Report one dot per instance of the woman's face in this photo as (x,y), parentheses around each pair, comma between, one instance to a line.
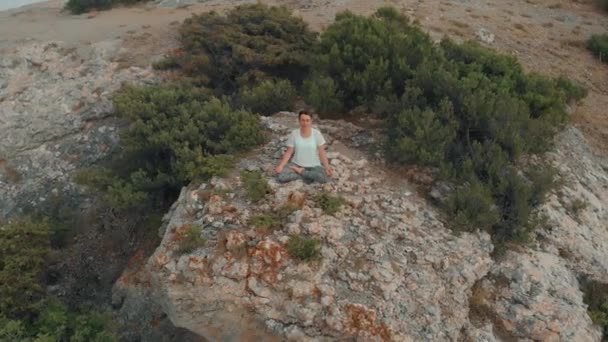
(305,121)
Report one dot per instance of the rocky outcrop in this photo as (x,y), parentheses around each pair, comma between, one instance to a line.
(55,117)
(389,269)
(534,293)
(578,212)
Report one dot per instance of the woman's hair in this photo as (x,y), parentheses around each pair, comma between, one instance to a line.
(302,112)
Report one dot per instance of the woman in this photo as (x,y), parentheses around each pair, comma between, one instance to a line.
(307,146)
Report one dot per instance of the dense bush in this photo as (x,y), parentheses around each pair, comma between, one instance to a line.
(26,313)
(176,134)
(366,57)
(598,44)
(268,97)
(322,93)
(249,44)
(462,108)
(57,323)
(596,298)
(24,253)
(81,6)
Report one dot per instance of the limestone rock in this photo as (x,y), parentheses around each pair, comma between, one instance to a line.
(389,270)
(55,116)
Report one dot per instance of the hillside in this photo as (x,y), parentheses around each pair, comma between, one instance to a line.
(389,267)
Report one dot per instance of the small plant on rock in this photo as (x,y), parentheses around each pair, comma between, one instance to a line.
(222,192)
(284,211)
(256,185)
(266,221)
(330,204)
(190,239)
(304,248)
(577,206)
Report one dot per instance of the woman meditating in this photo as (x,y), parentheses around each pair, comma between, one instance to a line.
(307,146)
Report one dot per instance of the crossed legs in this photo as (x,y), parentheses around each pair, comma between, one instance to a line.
(309,174)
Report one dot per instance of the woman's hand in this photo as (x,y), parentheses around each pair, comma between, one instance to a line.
(329,171)
(278,169)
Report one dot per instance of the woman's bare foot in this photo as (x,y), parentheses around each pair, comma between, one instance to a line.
(297,170)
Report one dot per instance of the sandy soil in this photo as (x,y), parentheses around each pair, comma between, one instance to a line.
(547,36)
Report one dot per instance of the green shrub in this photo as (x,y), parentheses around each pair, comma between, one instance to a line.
(255,184)
(573,92)
(190,239)
(598,44)
(175,134)
(166,63)
(472,207)
(322,93)
(57,323)
(81,6)
(596,298)
(60,324)
(249,44)
(462,108)
(330,204)
(12,330)
(303,248)
(366,57)
(420,136)
(24,253)
(117,193)
(268,97)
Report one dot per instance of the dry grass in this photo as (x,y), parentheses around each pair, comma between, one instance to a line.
(459,24)
(520,26)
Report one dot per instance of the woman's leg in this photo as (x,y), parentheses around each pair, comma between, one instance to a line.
(288,175)
(315,174)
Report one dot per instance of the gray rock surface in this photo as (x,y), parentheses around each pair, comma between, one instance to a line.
(389,269)
(55,116)
(534,296)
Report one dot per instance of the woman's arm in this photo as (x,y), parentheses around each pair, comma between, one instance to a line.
(284,159)
(325,160)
